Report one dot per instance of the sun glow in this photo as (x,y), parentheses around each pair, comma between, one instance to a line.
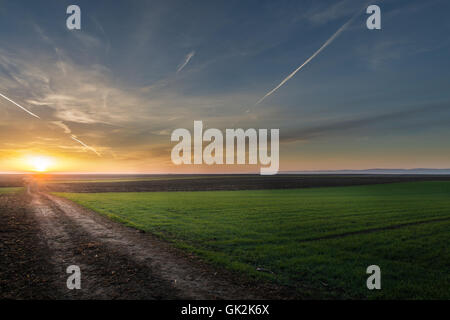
(40,163)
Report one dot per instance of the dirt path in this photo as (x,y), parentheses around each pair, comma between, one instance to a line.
(118,262)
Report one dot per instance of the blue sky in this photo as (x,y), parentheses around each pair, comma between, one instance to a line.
(137,70)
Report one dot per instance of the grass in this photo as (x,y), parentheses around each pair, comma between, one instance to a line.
(320,240)
(4,190)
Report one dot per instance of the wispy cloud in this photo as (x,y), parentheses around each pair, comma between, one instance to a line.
(362,122)
(63,126)
(58,123)
(323,13)
(33,83)
(188,58)
(91,103)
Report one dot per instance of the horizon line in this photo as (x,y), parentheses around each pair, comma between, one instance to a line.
(376,170)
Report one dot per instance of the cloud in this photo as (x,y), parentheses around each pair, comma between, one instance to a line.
(88,101)
(63,126)
(322,14)
(45,87)
(339,126)
(76,95)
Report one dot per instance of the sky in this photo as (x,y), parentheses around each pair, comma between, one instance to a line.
(109,96)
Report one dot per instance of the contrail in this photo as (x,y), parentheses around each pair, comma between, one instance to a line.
(67,130)
(85,145)
(24,109)
(186,61)
(337,33)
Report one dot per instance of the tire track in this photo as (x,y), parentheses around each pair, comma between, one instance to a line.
(366,231)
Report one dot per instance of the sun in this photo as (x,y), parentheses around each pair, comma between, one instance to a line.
(40,163)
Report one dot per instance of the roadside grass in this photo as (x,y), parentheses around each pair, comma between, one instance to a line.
(4,190)
(318,238)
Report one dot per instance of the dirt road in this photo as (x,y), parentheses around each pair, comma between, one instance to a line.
(116,262)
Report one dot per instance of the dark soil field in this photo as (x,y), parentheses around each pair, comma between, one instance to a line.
(11,180)
(222,182)
(25,268)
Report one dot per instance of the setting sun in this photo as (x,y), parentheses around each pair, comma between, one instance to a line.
(40,163)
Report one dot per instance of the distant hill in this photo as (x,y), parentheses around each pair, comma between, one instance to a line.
(374,171)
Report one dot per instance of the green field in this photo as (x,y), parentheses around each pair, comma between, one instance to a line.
(319,240)
(9,190)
